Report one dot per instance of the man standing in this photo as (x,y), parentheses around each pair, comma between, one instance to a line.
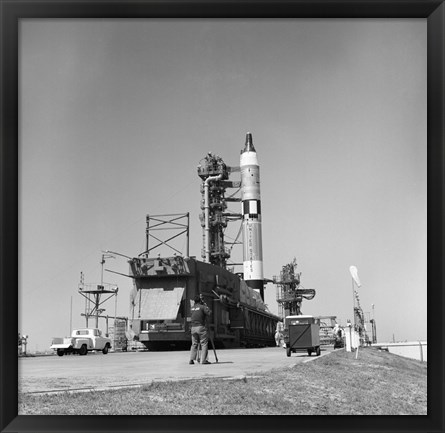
(338,336)
(279,335)
(200,311)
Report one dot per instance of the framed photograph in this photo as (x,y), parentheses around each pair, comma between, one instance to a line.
(108,107)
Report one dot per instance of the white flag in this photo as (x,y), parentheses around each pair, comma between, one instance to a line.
(354,274)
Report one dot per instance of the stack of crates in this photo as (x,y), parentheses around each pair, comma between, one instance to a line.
(117,335)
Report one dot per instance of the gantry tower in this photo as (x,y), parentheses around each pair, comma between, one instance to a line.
(290,293)
(215,216)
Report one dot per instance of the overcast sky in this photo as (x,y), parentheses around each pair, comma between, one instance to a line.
(116,114)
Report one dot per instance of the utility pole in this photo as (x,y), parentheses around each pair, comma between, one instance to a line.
(71,316)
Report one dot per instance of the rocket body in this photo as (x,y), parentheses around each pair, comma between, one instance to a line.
(251,211)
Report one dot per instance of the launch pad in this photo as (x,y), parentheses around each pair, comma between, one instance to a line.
(164,286)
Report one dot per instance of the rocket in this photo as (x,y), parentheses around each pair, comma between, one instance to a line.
(251,211)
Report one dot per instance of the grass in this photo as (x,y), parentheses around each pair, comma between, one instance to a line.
(377,383)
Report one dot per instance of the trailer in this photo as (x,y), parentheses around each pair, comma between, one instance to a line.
(163,293)
(302,333)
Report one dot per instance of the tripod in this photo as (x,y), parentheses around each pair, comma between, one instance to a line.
(198,355)
(213,347)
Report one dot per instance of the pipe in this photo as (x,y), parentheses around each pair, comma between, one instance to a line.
(206,214)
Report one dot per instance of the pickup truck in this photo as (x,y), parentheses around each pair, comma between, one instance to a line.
(82,341)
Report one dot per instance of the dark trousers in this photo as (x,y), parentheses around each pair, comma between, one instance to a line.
(199,335)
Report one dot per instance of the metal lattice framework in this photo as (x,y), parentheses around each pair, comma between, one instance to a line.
(94,294)
(359,319)
(290,293)
(215,215)
(94,299)
(175,225)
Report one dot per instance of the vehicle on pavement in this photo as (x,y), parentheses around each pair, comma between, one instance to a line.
(302,333)
(81,342)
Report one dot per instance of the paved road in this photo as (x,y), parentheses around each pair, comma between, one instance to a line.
(98,371)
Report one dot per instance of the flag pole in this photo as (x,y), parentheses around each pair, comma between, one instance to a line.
(353,304)
(354,275)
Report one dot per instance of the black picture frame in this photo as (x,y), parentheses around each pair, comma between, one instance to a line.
(12,11)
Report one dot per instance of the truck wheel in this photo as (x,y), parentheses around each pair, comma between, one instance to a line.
(60,352)
(105,350)
(83,350)
(309,352)
(288,351)
(317,351)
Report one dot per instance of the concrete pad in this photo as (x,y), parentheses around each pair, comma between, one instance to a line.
(128,369)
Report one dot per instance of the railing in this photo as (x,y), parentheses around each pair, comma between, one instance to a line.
(96,287)
(408,349)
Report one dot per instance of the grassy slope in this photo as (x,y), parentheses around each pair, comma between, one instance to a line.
(377,383)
